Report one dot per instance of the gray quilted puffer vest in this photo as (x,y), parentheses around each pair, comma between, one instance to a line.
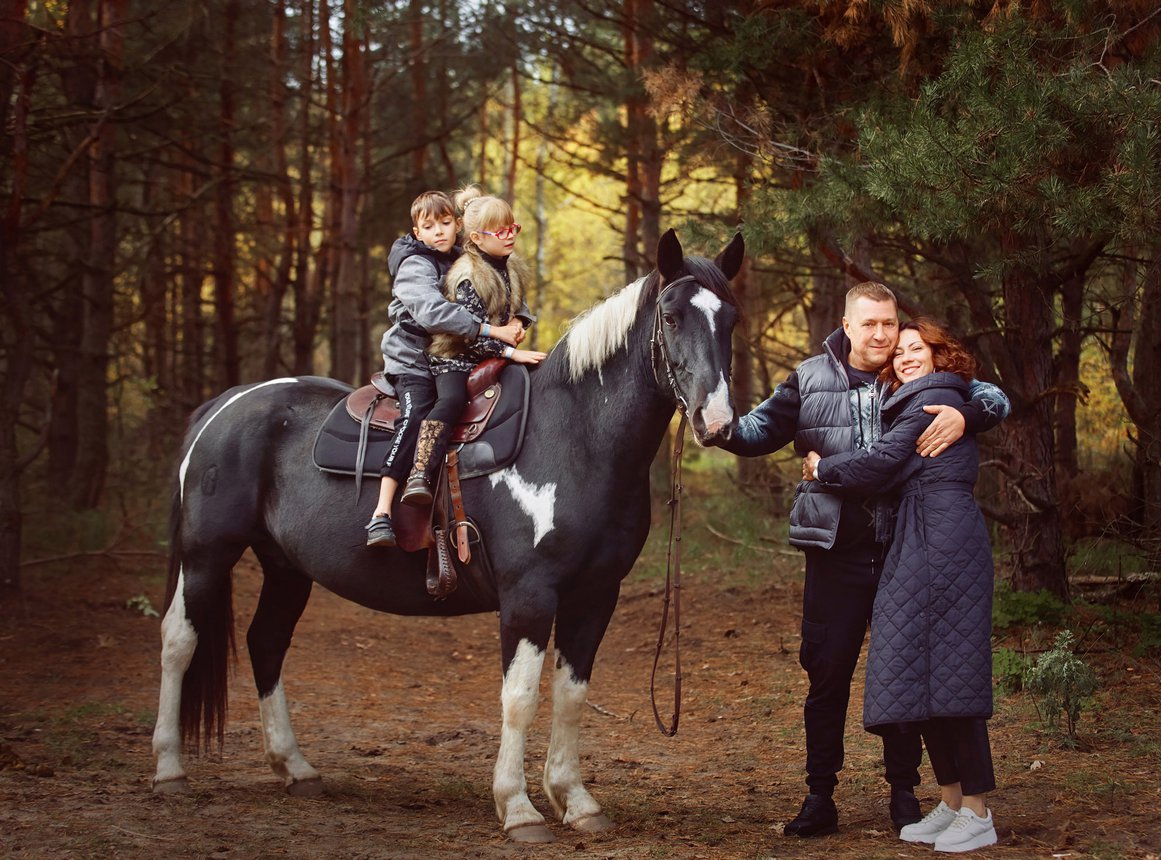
(832,418)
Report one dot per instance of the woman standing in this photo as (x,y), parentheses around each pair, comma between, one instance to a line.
(929,667)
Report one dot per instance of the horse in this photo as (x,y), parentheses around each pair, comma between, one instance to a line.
(563,524)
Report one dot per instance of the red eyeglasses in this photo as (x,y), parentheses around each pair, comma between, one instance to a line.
(503,233)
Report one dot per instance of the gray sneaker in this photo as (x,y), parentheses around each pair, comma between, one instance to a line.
(930,826)
(967,833)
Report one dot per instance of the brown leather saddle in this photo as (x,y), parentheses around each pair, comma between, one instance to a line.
(377,404)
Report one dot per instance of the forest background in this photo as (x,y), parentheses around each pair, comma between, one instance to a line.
(200,193)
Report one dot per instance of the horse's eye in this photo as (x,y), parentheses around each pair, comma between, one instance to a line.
(669,320)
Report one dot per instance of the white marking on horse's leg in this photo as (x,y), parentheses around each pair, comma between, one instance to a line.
(188,454)
(282,752)
(519,698)
(562,776)
(179,640)
(539,503)
(718,411)
(708,304)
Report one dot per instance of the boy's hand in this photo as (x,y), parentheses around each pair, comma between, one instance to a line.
(527,356)
(510,334)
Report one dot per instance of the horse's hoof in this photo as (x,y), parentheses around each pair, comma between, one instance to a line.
(531,832)
(305,787)
(592,823)
(177,785)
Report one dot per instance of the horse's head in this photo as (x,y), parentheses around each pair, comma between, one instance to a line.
(695,320)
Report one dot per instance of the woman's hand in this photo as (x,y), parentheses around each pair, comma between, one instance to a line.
(527,356)
(510,334)
(810,466)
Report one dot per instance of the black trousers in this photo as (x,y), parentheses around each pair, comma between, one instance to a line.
(451,388)
(836,609)
(416,397)
(959,751)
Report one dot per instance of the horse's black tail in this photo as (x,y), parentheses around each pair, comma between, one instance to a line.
(208,605)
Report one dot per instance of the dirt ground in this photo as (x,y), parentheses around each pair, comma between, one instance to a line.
(401,716)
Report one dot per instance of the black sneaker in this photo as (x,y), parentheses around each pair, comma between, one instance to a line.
(818,817)
(380,532)
(904,808)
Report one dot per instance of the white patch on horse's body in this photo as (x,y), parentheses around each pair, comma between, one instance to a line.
(282,752)
(538,502)
(519,698)
(602,330)
(188,454)
(708,304)
(179,640)
(562,776)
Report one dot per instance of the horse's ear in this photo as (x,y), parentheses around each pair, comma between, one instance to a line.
(730,259)
(670,257)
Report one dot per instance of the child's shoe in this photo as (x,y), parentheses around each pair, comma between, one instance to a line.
(380,532)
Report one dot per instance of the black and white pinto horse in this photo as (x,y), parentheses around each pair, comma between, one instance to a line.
(563,525)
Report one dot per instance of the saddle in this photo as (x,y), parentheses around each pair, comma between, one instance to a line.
(357,434)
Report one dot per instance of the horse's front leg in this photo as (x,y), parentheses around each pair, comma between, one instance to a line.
(523,642)
(580,626)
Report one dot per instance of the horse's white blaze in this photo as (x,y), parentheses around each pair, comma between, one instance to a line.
(538,502)
(602,330)
(282,752)
(519,698)
(178,642)
(189,454)
(562,776)
(709,304)
(718,411)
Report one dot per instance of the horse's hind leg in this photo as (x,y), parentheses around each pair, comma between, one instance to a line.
(580,626)
(178,642)
(285,593)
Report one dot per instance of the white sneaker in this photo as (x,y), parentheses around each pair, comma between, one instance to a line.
(930,826)
(967,833)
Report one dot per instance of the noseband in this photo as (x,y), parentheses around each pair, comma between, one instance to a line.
(659,351)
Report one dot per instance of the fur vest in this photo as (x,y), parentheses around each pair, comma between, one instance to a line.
(501,300)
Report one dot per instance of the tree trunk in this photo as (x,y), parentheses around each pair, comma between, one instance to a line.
(306,301)
(226,340)
(420,119)
(345,323)
(514,143)
(1068,384)
(827,305)
(92,372)
(1030,489)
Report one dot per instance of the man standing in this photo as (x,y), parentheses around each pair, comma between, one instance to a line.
(830,404)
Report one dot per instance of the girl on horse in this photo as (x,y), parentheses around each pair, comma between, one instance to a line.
(488,281)
(417,264)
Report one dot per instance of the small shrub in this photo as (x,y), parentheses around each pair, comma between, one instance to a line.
(1060,682)
(141,603)
(1024,608)
(1009,668)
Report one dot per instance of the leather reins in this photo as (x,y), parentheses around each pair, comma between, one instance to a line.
(658,348)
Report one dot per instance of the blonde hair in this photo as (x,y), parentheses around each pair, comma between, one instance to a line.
(872,290)
(431,204)
(481,212)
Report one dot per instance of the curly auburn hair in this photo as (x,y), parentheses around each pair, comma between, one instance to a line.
(947,353)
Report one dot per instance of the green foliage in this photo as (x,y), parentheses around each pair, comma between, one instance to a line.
(142,604)
(1009,668)
(1024,608)
(1060,682)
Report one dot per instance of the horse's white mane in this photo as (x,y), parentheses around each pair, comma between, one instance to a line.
(601,330)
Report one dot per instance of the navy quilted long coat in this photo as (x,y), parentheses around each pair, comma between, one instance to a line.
(930,653)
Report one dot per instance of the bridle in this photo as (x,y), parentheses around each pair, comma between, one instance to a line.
(659,354)
(659,351)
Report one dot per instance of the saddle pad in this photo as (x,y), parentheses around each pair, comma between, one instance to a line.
(336,445)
